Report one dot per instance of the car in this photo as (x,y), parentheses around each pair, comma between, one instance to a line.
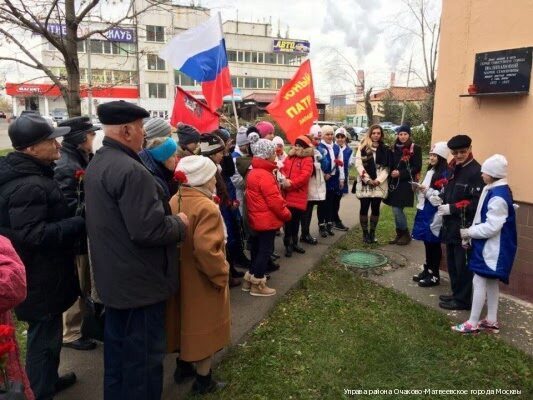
(3,114)
(59,114)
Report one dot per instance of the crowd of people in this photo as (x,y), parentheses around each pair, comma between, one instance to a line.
(157,231)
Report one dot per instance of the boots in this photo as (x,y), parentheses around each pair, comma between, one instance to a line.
(206,384)
(246,284)
(398,236)
(295,247)
(323,231)
(422,275)
(431,279)
(363,220)
(259,287)
(288,246)
(183,370)
(307,238)
(405,238)
(329,229)
(373,225)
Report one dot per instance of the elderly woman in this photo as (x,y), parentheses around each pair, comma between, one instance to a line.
(203,315)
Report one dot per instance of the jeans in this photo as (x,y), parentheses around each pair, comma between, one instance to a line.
(134,348)
(400,220)
(42,356)
(262,244)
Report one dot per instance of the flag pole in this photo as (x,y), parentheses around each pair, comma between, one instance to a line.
(232,97)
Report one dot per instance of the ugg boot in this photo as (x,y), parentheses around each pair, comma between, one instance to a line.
(295,247)
(363,220)
(246,284)
(329,229)
(259,287)
(405,238)
(323,231)
(373,225)
(398,236)
(206,384)
(287,242)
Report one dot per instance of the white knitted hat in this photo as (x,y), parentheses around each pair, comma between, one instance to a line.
(261,148)
(341,131)
(315,131)
(278,141)
(242,137)
(495,166)
(197,169)
(440,149)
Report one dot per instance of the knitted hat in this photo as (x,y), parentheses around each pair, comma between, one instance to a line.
(211,144)
(278,141)
(495,166)
(316,131)
(327,129)
(261,148)
(459,142)
(340,131)
(265,128)
(440,149)
(404,128)
(303,141)
(164,151)
(242,137)
(197,169)
(223,133)
(157,127)
(187,134)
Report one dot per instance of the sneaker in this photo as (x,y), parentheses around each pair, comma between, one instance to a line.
(465,327)
(429,281)
(308,239)
(260,288)
(329,229)
(421,275)
(322,230)
(340,226)
(246,284)
(491,327)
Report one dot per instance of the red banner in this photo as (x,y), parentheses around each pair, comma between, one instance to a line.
(294,108)
(193,112)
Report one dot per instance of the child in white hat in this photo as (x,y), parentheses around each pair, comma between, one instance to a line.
(493,240)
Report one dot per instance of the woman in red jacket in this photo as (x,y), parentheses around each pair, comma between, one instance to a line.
(297,170)
(12,293)
(267,211)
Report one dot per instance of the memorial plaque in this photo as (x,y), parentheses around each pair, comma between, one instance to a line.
(503,71)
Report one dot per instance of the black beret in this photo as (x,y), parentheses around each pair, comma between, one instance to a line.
(79,127)
(187,134)
(120,112)
(459,142)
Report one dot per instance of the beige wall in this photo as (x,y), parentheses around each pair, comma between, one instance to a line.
(496,124)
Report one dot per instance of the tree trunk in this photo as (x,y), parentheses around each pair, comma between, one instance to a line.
(71,94)
(368,108)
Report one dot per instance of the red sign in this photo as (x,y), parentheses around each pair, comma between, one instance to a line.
(193,112)
(294,107)
(49,90)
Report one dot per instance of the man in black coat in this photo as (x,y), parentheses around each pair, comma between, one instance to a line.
(76,151)
(464,184)
(133,242)
(34,216)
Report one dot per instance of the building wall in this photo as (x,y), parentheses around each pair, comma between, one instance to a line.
(502,124)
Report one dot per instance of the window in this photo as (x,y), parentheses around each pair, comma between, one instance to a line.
(154,63)
(270,58)
(250,83)
(125,49)
(270,83)
(155,33)
(232,55)
(247,56)
(281,59)
(108,76)
(98,76)
(157,90)
(234,81)
(96,46)
(81,46)
(83,75)
(121,77)
(158,114)
(183,80)
(240,82)
(260,57)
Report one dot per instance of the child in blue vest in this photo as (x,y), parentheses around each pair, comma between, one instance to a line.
(341,137)
(493,241)
(427,223)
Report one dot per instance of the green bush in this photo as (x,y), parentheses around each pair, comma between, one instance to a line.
(421,135)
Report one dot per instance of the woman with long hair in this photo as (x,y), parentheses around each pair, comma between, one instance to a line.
(371,187)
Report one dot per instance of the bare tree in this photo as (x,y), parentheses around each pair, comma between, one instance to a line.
(35,17)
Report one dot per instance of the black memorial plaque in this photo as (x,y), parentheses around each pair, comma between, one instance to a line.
(503,71)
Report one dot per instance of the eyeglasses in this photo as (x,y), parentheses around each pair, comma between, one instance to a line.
(457,152)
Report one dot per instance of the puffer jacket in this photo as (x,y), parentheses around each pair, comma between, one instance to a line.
(298,168)
(317,183)
(267,209)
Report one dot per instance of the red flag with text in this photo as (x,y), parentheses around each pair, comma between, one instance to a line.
(193,112)
(294,107)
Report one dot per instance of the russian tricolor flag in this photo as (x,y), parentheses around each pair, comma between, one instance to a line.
(200,53)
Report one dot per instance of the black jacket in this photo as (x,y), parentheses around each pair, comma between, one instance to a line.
(400,190)
(35,217)
(465,183)
(132,239)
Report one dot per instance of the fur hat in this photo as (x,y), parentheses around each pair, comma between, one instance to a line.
(261,148)
(495,166)
(316,131)
(197,169)
(157,127)
(187,134)
(440,149)
(242,137)
(265,128)
(459,142)
(211,144)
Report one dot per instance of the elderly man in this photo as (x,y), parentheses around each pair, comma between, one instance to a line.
(133,242)
(465,183)
(76,151)
(36,218)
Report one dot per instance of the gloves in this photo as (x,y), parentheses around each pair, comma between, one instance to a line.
(435,200)
(464,233)
(444,210)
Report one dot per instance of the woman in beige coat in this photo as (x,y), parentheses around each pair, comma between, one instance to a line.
(200,325)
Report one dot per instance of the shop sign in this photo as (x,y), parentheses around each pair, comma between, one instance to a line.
(503,71)
(123,35)
(291,46)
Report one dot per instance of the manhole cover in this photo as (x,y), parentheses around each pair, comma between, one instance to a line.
(363,259)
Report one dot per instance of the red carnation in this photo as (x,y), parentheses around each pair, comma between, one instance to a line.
(236,203)
(406,152)
(6,331)
(79,174)
(439,184)
(463,204)
(216,199)
(6,347)
(339,163)
(179,176)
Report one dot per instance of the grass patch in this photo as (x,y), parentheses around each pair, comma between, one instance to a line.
(340,331)
(5,152)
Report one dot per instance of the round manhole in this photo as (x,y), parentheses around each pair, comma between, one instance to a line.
(363,259)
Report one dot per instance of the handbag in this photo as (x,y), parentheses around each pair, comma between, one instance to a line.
(93,322)
(12,391)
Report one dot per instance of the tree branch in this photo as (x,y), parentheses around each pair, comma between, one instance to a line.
(86,10)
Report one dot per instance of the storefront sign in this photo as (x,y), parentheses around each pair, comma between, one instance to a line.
(291,46)
(123,35)
(503,71)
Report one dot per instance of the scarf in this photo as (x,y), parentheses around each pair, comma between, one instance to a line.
(370,164)
(329,147)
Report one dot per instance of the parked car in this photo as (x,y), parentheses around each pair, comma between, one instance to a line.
(3,114)
(59,114)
